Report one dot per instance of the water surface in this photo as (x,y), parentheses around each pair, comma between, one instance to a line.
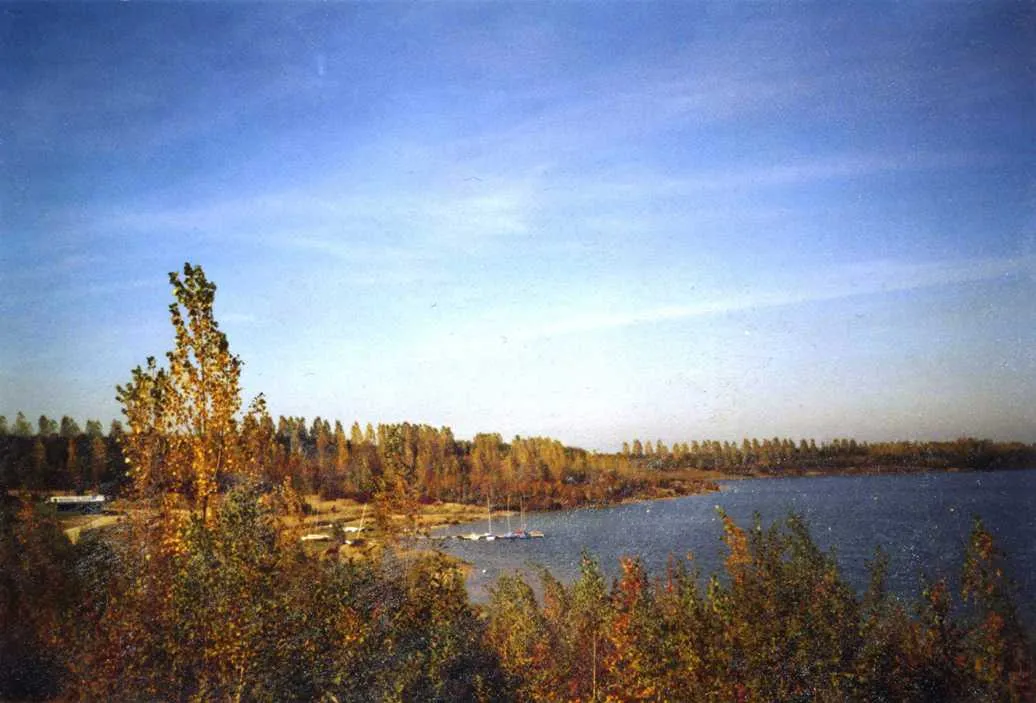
(921,520)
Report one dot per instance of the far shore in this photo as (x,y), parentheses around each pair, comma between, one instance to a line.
(331,517)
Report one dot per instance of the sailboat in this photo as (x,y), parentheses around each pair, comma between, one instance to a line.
(355,530)
(522,532)
(510,534)
(488,536)
(531,534)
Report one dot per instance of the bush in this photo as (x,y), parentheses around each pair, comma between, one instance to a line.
(782,626)
(231,610)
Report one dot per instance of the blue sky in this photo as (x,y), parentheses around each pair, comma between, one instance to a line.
(591,221)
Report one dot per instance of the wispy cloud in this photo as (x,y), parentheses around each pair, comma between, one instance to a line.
(871,278)
(744,180)
(355,218)
(340,217)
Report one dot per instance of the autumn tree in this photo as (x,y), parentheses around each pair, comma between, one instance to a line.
(69,428)
(46,427)
(341,461)
(98,461)
(73,468)
(396,486)
(38,465)
(321,435)
(21,427)
(997,645)
(36,593)
(182,426)
(257,449)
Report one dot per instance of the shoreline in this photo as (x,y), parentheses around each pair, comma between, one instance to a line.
(634,500)
(331,514)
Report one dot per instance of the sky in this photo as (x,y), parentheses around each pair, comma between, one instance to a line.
(591,221)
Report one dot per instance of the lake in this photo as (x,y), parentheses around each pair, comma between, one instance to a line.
(921,520)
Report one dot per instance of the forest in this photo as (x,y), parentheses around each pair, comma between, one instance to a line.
(202,592)
(785,457)
(321,458)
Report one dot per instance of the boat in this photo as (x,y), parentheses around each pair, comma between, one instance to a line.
(522,532)
(488,536)
(510,534)
(93,505)
(357,528)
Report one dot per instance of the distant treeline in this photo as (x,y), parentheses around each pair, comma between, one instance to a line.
(779,455)
(320,457)
(431,464)
(62,456)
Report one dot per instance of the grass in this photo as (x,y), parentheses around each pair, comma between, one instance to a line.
(324,515)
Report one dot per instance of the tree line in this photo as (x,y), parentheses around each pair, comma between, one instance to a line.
(784,455)
(321,457)
(53,456)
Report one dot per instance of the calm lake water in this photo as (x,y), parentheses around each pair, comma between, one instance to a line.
(922,521)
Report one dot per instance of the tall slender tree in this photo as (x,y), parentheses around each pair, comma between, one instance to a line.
(46,426)
(182,421)
(98,461)
(21,427)
(69,427)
